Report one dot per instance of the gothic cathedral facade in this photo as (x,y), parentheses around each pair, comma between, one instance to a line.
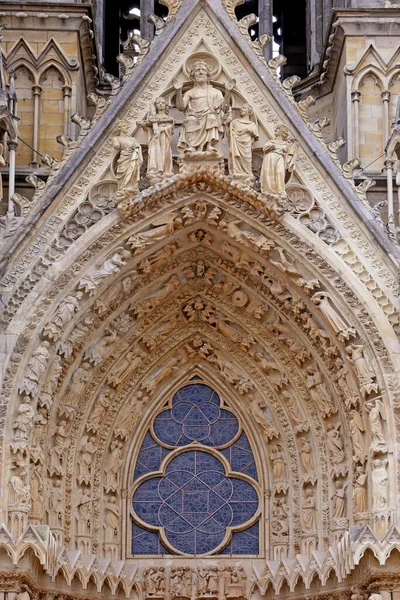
(199,297)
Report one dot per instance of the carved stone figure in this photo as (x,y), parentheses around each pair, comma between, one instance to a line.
(365,374)
(64,314)
(293,411)
(357,431)
(36,488)
(242,133)
(2,164)
(335,443)
(203,106)
(279,521)
(318,392)
(83,513)
(306,456)
(160,229)
(160,127)
(162,373)
(77,384)
(113,467)
(278,463)
(126,366)
(339,500)
(45,396)
(112,515)
(96,415)
(207,582)
(40,422)
(181,582)
(154,582)
(279,158)
(380,487)
(346,382)
(60,440)
(256,407)
(235,582)
(56,503)
(376,415)
(35,370)
(308,513)
(360,495)
(110,266)
(129,161)
(24,420)
(88,448)
(343,330)
(19,490)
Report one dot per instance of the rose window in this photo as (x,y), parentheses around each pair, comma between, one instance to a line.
(198,500)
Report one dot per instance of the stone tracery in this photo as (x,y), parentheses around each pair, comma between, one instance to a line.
(201,275)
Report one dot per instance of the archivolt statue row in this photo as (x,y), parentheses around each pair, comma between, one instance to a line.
(208,117)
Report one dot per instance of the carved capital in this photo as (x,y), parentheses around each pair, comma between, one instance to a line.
(385,95)
(355,96)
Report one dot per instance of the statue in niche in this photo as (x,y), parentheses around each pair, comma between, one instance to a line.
(154,582)
(88,449)
(366,376)
(64,314)
(181,582)
(24,421)
(357,430)
(343,330)
(318,392)
(346,381)
(203,106)
(36,492)
(127,365)
(380,480)
(279,158)
(339,500)
(78,381)
(360,496)
(60,439)
(335,443)
(160,128)
(242,133)
(278,463)
(56,503)
(97,414)
(306,456)
(376,415)
(45,397)
(279,521)
(308,513)
(114,465)
(111,520)
(129,161)
(20,490)
(83,513)
(257,407)
(234,582)
(36,367)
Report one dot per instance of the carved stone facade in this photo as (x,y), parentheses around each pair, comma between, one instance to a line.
(200,359)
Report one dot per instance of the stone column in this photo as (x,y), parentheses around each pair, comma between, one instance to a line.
(36,90)
(265,15)
(385,95)
(12,146)
(67,90)
(146,28)
(389,176)
(355,99)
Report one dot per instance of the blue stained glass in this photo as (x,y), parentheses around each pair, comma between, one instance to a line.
(195,501)
(196,416)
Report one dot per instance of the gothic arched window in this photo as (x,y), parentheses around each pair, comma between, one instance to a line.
(195,481)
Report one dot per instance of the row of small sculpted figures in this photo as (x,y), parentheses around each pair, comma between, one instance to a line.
(207,118)
(207,580)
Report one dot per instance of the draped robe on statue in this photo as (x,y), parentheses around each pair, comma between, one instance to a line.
(203,122)
(242,133)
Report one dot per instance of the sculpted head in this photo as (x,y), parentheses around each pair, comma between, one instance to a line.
(246,111)
(160,105)
(122,127)
(200,72)
(282,132)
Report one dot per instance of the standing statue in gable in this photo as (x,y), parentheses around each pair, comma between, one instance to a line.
(160,128)
(279,158)
(242,133)
(203,106)
(129,161)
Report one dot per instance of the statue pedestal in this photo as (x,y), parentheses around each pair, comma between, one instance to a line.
(190,162)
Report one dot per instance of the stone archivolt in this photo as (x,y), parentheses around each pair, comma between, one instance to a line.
(201,275)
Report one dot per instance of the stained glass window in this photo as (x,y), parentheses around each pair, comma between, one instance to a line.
(192,501)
